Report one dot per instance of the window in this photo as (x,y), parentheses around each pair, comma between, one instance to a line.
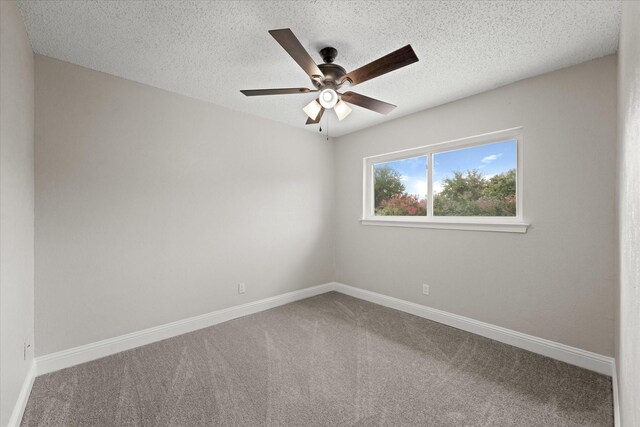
(400,187)
(476,181)
(473,183)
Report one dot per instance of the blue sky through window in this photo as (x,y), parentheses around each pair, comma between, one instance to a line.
(489,159)
(413,172)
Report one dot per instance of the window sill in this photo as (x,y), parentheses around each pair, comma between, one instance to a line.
(496,226)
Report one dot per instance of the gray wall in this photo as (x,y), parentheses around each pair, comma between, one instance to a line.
(628,325)
(557,281)
(16,205)
(151,207)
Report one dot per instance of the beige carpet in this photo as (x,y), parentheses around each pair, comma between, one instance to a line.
(329,360)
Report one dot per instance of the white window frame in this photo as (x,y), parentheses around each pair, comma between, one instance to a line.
(485,223)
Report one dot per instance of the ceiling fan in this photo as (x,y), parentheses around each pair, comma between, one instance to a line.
(328,77)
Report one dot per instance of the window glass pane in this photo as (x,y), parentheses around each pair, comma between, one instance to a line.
(400,187)
(476,181)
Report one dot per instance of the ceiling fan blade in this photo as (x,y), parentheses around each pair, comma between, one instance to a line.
(285,91)
(292,45)
(368,103)
(397,59)
(310,121)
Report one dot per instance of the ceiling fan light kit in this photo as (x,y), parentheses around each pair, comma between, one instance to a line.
(342,109)
(328,98)
(312,109)
(328,78)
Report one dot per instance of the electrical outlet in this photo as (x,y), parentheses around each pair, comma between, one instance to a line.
(241,288)
(426,289)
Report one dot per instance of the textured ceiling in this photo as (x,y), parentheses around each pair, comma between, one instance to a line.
(211,50)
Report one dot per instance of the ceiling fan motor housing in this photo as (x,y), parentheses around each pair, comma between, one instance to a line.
(333,73)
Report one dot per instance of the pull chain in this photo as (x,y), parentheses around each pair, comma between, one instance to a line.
(327,127)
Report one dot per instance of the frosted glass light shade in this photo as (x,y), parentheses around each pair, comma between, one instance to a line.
(328,98)
(312,109)
(342,110)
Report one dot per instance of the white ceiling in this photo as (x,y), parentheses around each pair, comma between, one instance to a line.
(211,50)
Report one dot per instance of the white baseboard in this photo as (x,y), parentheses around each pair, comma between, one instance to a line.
(616,402)
(85,353)
(23,397)
(575,356)
(74,356)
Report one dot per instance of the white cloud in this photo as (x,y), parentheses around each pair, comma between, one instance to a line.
(491,158)
(416,187)
(421,188)
(437,187)
(404,177)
